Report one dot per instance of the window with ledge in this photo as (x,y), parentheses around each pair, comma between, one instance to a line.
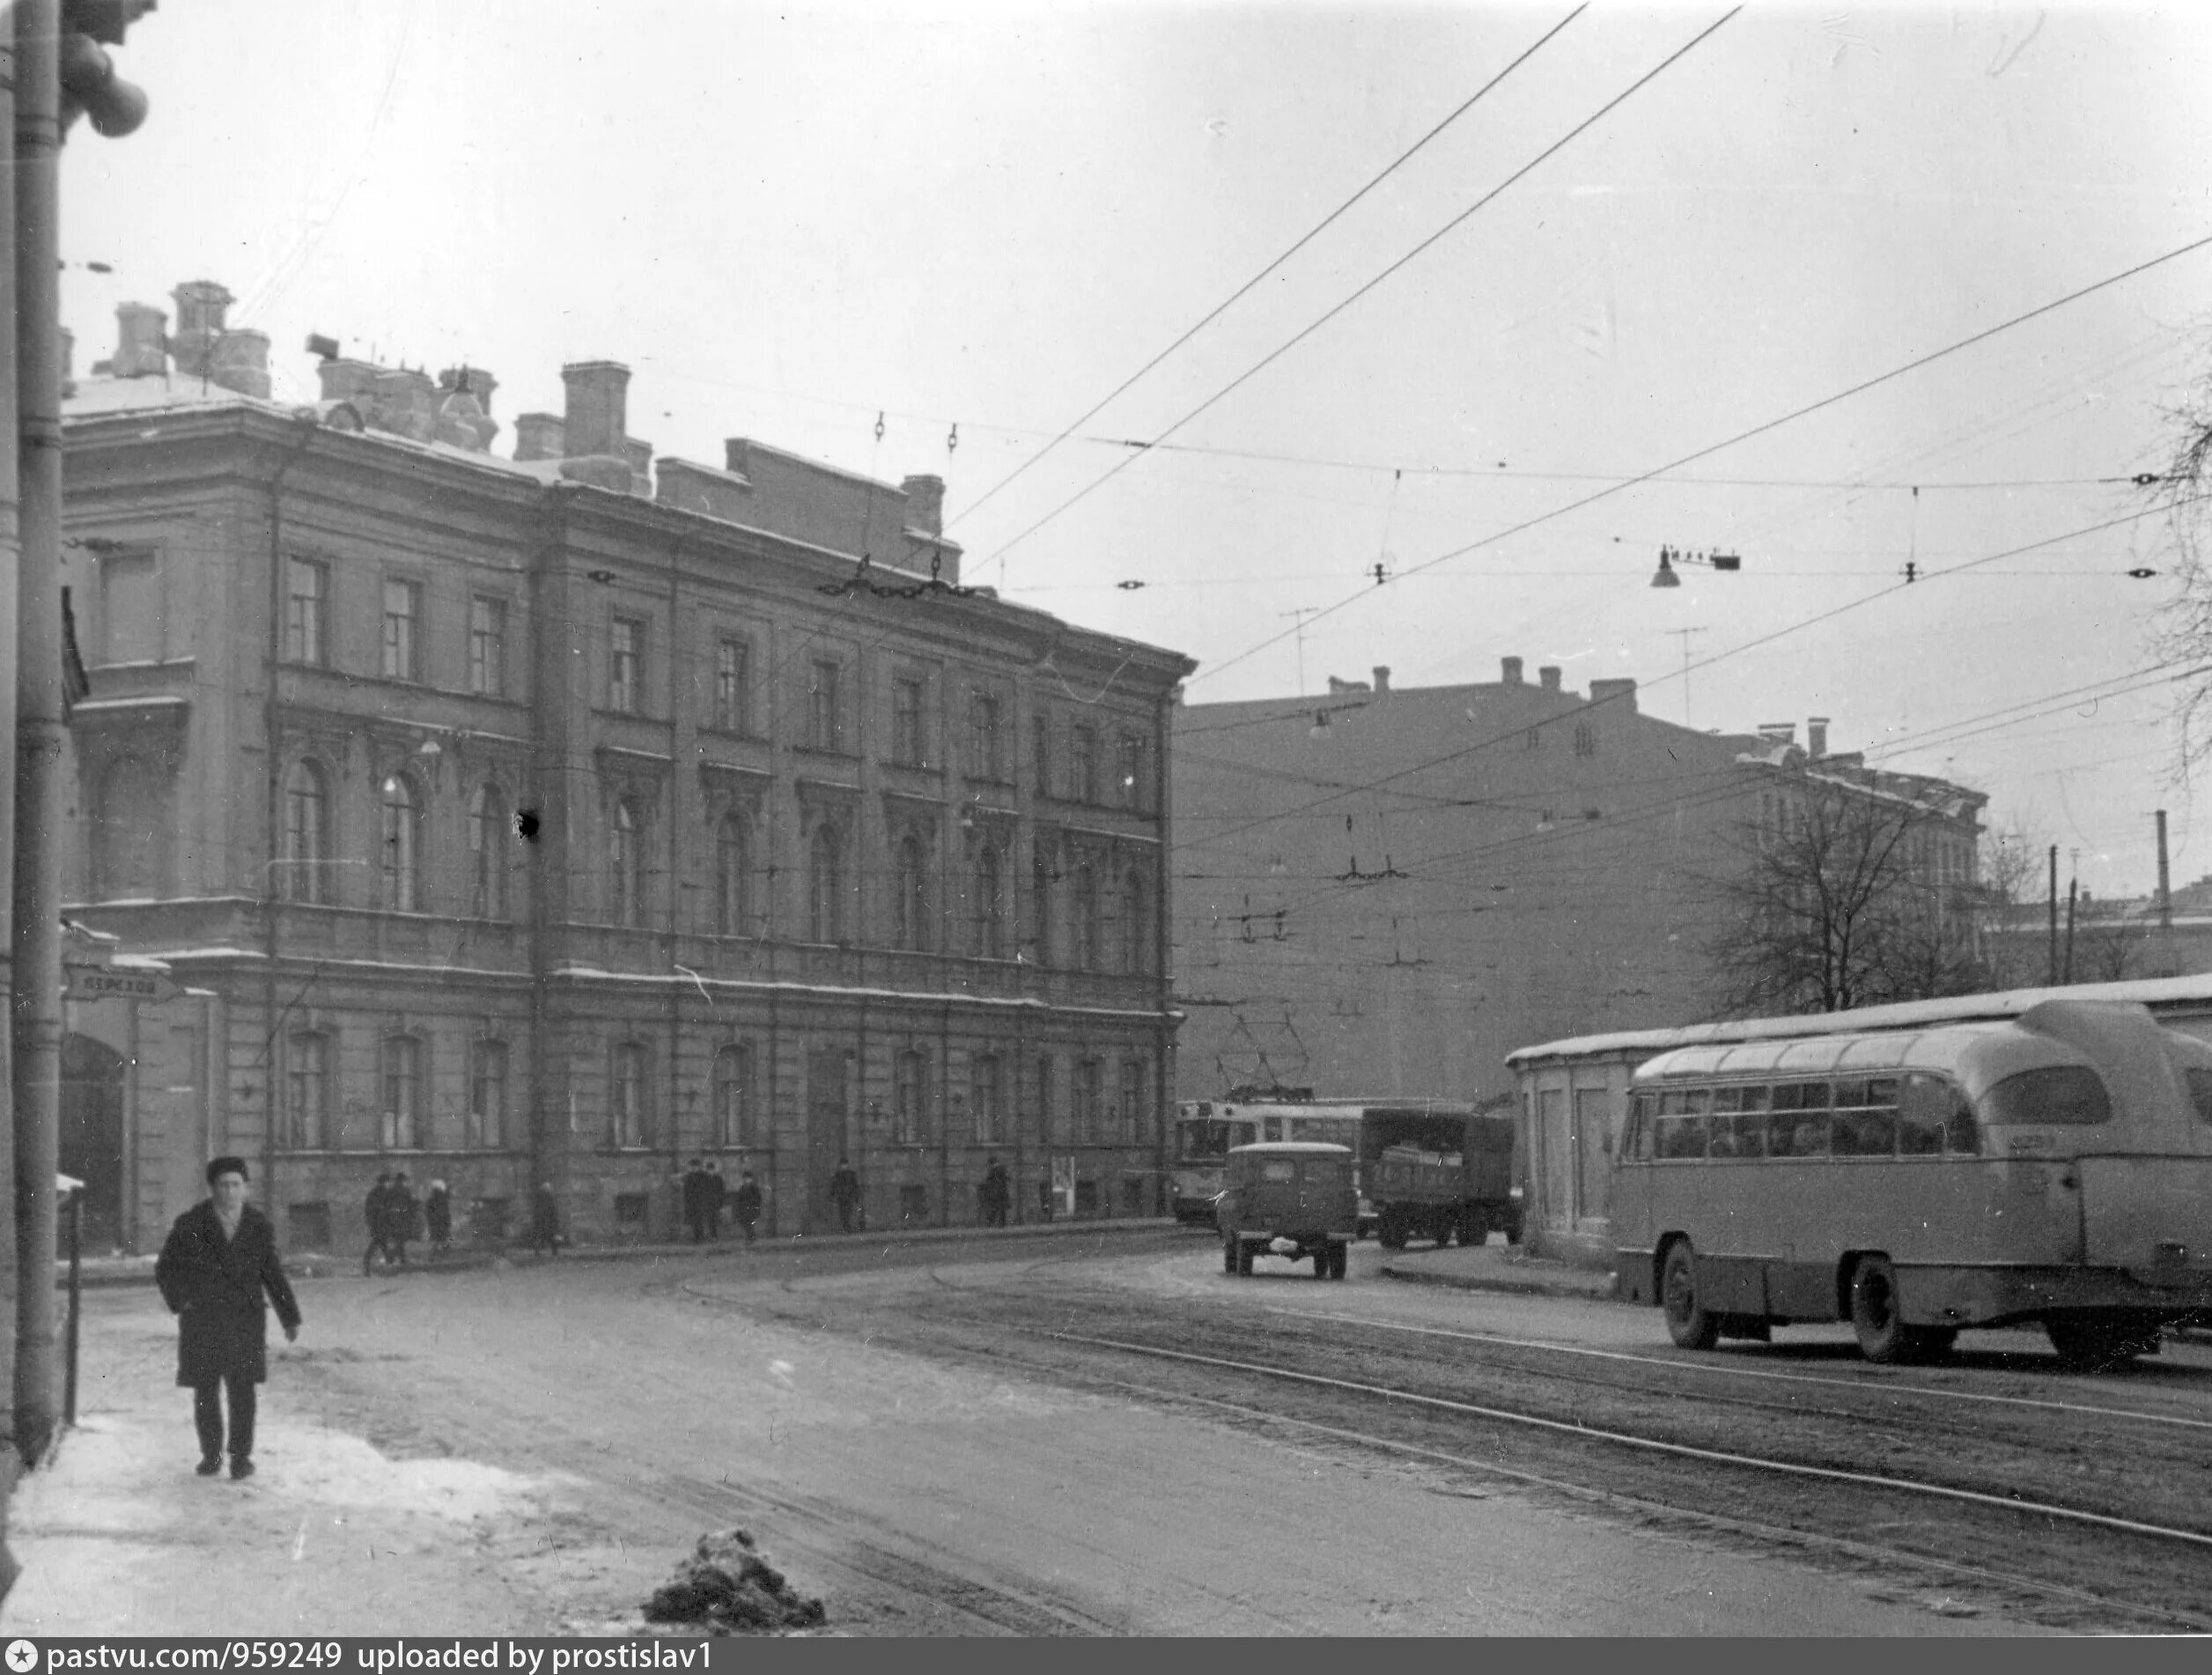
(399,845)
(909,746)
(306,588)
(1041,909)
(129,608)
(825,885)
(986,1095)
(488,852)
(1090,1090)
(1088,925)
(487,1095)
(133,813)
(302,870)
(402,616)
(1082,764)
(909,1093)
(1041,753)
(1134,1087)
(401,1068)
(984,744)
(1134,940)
(825,718)
(733,1082)
(989,905)
(626,1095)
(1585,739)
(625,664)
(733,683)
(1129,767)
(486,646)
(1047,1132)
(909,906)
(625,864)
(307,1091)
(733,877)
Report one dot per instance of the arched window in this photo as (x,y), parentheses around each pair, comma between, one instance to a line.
(991,926)
(909,911)
(400,851)
(488,852)
(987,1093)
(908,1101)
(1086,923)
(400,1064)
(825,885)
(733,877)
(626,1095)
(487,1095)
(733,1096)
(625,860)
(303,869)
(1134,943)
(307,1091)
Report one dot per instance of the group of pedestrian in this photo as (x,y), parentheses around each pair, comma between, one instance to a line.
(705,1193)
(395,1218)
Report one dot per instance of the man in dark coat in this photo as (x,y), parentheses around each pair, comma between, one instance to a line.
(844,1192)
(404,1216)
(715,1195)
(219,1259)
(694,1186)
(376,1210)
(996,1195)
(749,1204)
(545,1221)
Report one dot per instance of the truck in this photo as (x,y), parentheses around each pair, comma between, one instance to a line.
(1432,1184)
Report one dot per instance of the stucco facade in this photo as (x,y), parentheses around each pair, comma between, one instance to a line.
(563,817)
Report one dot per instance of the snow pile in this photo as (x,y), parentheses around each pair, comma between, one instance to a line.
(728,1585)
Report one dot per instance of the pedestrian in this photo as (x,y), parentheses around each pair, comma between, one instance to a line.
(749,1204)
(438,1216)
(377,1212)
(545,1221)
(219,1257)
(844,1192)
(717,1193)
(404,1215)
(996,1193)
(693,1182)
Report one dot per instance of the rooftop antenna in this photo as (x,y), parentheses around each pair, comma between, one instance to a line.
(1683,634)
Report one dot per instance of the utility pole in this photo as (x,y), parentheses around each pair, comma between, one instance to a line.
(62,72)
(1299,615)
(2053,979)
(10,582)
(1684,634)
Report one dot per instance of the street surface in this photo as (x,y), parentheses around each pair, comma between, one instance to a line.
(960,1438)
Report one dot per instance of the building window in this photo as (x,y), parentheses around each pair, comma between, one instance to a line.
(1041,908)
(983,736)
(308,1092)
(400,1066)
(1585,739)
(488,854)
(1129,765)
(1045,1132)
(487,1095)
(625,866)
(987,1093)
(402,611)
(626,1095)
(1533,738)
(129,608)
(1082,764)
(625,664)
(907,746)
(307,584)
(1133,1101)
(133,816)
(301,874)
(825,886)
(825,729)
(733,877)
(1041,753)
(733,683)
(1133,925)
(910,908)
(1086,920)
(734,1098)
(989,905)
(400,849)
(909,1090)
(1090,1089)
(486,646)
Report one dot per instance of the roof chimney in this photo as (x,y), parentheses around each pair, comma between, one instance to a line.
(239,361)
(1509,669)
(1817,736)
(925,504)
(1778,732)
(201,305)
(1621,692)
(1382,678)
(1550,677)
(598,409)
(141,348)
(537,436)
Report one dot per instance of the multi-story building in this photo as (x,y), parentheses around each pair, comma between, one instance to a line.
(1384,891)
(563,816)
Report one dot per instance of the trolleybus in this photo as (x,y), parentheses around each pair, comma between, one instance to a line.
(2053,1169)
(1206,1130)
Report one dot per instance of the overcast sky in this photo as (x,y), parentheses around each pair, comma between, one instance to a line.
(788,219)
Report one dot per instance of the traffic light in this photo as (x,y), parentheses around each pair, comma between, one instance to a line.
(89,85)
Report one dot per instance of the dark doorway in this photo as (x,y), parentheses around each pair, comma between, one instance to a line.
(93,1136)
(825,1135)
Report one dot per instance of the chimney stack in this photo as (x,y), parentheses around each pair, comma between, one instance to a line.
(1510,670)
(239,361)
(925,504)
(1817,736)
(141,347)
(537,436)
(1617,692)
(1550,677)
(200,307)
(1778,732)
(598,409)
(1382,678)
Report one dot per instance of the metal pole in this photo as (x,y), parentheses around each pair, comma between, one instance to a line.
(2072,888)
(36,992)
(10,572)
(76,1303)
(2053,977)
(2165,885)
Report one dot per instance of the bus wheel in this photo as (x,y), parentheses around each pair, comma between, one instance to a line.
(1228,1255)
(1390,1232)
(1687,1323)
(1443,1232)
(1321,1263)
(1339,1259)
(1475,1228)
(1883,1336)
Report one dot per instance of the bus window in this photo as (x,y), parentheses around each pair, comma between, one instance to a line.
(1799,1124)
(1278,1168)
(1679,1136)
(1635,1140)
(1272,1128)
(1866,1118)
(2069,1093)
(1924,1107)
(1747,1131)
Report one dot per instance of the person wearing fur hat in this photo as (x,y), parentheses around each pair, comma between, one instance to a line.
(219,1257)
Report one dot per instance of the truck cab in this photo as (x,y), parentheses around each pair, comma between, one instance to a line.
(1289,1197)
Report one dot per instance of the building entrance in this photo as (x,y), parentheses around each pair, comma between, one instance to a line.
(825,1135)
(93,1136)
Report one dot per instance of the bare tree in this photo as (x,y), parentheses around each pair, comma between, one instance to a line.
(2182,493)
(1835,910)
